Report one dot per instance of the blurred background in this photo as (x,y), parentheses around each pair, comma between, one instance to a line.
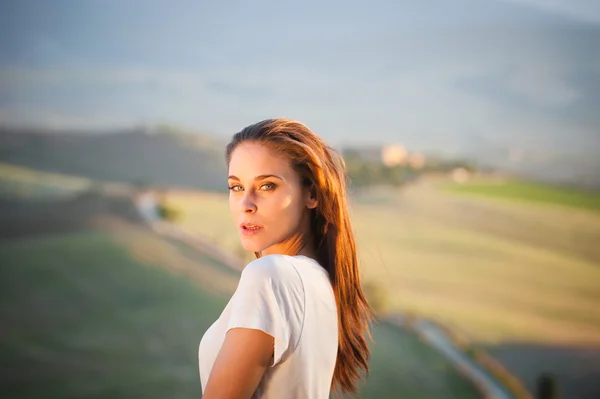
(471,134)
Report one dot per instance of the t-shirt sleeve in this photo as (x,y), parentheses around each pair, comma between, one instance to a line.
(270,298)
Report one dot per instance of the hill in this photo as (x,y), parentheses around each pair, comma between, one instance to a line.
(517,276)
(98,305)
(162,157)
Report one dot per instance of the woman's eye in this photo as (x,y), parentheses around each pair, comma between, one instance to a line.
(268,187)
(235,188)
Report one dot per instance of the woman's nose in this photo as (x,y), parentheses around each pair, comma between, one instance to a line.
(248,205)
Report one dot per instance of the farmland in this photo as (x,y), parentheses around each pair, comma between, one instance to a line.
(519,278)
(529,192)
(487,268)
(104,307)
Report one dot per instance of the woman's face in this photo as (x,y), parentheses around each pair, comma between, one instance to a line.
(266,198)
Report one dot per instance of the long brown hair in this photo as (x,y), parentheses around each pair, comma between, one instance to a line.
(322,169)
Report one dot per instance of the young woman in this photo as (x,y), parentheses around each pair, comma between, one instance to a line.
(296,324)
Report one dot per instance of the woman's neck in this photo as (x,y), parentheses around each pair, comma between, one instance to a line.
(298,244)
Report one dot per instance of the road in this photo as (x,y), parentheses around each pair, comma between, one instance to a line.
(438,339)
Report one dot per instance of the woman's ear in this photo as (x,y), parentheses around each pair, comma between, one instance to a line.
(311,198)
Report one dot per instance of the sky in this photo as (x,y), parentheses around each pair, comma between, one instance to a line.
(457,76)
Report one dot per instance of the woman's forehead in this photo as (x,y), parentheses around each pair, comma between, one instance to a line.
(249,160)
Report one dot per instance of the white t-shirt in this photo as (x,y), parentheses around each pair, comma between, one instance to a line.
(291,299)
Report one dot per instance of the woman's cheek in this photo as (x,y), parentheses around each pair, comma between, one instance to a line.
(285,202)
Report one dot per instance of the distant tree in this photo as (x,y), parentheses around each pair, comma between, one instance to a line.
(168,212)
(366,170)
(547,387)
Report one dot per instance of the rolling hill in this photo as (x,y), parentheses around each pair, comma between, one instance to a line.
(159,157)
(98,305)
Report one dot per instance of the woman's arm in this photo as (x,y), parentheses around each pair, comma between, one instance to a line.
(241,363)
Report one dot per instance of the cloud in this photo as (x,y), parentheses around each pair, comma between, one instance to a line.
(542,86)
(581,10)
(427,86)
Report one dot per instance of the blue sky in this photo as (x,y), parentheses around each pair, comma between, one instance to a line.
(449,76)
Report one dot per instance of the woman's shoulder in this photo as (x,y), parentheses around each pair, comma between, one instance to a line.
(274,267)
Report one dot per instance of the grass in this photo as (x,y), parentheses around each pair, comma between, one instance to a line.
(83,318)
(120,315)
(530,192)
(404,367)
(22,182)
(496,271)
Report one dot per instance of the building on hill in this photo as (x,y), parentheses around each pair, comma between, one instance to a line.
(393,155)
(389,155)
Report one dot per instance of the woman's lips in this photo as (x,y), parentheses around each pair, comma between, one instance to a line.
(248,229)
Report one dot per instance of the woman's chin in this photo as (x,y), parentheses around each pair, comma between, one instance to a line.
(251,246)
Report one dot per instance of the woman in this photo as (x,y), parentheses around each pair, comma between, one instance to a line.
(296,324)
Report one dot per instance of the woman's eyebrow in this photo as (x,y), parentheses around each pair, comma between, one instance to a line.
(261,177)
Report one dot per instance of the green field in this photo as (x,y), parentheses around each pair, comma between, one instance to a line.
(497,271)
(120,315)
(83,318)
(530,192)
(21,182)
